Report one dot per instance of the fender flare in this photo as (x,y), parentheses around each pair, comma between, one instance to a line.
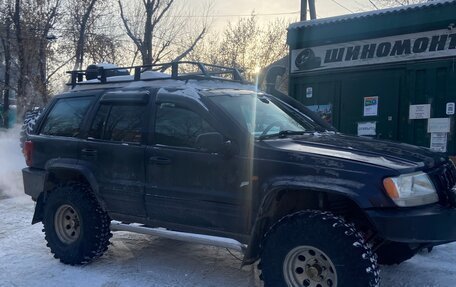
(317,184)
(72,165)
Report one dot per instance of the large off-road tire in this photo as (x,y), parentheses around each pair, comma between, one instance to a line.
(30,120)
(318,249)
(76,228)
(394,253)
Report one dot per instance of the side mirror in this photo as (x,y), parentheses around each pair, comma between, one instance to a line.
(211,142)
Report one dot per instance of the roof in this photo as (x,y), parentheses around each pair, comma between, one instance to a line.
(207,77)
(349,17)
(117,82)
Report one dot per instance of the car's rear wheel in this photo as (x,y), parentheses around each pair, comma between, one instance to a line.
(318,249)
(67,224)
(76,228)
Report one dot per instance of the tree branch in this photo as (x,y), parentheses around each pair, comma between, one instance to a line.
(163,12)
(130,34)
(58,68)
(158,55)
(186,52)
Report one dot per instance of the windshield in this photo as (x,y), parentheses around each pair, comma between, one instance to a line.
(263,116)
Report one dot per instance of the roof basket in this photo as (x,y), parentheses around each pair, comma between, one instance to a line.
(184,70)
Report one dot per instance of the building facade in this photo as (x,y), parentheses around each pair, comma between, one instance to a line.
(388,74)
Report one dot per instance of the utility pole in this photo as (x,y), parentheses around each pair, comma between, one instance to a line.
(303,10)
(312,9)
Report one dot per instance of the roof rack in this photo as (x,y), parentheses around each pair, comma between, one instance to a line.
(199,71)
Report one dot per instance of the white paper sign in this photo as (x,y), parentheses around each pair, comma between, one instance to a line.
(439,125)
(417,112)
(450,109)
(367,129)
(370,106)
(439,142)
(309,92)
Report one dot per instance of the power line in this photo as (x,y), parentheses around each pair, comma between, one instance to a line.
(344,7)
(232,15)
(373,4)
(362,6)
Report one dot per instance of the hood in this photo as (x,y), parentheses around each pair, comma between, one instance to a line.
(387,154)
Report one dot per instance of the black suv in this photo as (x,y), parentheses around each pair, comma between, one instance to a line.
(204,157)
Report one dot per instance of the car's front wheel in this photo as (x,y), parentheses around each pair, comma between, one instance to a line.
(76,228)
(318,249)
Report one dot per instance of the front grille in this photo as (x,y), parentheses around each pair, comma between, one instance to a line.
(444,178)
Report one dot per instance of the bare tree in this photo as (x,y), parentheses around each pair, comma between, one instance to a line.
(6,44)
(155,34)
(16,17)
(48,16)
(33,20)
(88,33)
(81,14)
(245,45)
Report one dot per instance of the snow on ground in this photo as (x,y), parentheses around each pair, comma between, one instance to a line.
(140,260)
(11,162)
(132,259)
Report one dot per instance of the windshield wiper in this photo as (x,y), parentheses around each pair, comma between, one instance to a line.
(283,134)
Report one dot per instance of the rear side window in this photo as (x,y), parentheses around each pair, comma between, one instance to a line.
(118,123)
(66,117)
(176,126)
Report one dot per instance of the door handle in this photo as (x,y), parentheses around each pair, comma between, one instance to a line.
(159,160)
(89,152)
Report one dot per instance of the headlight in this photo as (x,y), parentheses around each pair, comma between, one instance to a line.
(411,189)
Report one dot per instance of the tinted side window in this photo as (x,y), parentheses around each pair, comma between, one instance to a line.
(99,122)
(176,126)
(66,117)
(120,123)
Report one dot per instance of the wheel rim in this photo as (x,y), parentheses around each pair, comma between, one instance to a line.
(309,267)
(67,224)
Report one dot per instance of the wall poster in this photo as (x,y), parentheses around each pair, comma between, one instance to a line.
(367,129)
(439,142)
(370,106)
(417,112)
(439,125)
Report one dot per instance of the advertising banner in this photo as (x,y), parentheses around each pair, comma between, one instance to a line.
(424,45)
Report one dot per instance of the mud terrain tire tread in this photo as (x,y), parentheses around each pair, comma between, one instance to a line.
(338,239)
(95,225)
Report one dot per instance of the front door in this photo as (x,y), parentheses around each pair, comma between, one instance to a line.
(187,186)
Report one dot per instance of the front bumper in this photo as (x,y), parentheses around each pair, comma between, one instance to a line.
(426,224)
(33,181)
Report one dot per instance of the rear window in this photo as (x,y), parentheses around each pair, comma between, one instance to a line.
(118,123)
(66,117)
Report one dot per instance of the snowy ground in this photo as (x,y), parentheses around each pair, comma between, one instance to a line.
(139,260)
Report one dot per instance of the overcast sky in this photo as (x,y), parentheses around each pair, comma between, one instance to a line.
(325,8)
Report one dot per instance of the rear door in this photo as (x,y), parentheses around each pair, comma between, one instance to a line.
(114,149)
